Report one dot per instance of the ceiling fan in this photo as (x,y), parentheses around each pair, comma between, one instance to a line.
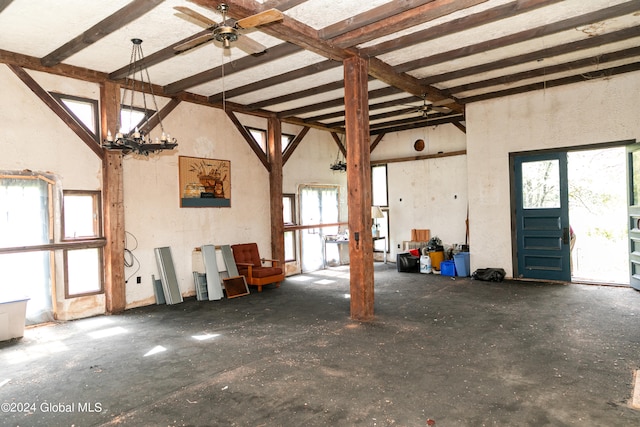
(227,33)
(425,108)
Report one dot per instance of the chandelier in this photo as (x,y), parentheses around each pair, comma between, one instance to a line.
(134,138)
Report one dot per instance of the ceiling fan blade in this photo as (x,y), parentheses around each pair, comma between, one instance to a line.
(194,43)
(249,45)
(440,109)
(196,17)
(261,18)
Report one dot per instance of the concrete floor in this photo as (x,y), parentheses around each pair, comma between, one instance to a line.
(454,352)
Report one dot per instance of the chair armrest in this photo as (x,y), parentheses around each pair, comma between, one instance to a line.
(274,262)
(249,267)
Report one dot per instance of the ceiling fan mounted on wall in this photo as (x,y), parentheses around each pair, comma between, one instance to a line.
(227,33)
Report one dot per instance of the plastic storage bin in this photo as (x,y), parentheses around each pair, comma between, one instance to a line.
(12,318)
(462,263)
(447,268)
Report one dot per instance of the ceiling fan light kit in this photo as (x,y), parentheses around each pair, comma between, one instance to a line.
(225,33)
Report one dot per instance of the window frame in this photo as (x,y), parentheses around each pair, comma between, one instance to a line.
(386,177)
(292,204)
(100,290)
(90,242)
(263,143)
(97,214)
(61,97)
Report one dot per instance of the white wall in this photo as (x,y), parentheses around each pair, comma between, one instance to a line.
(596,111)
(426,194)
(33,137)
(152,205)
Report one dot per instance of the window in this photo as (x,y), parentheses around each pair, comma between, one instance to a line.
(81,215)
(288,214)
(379,196)
(27,220)
(132,118)
(260,135)
(82,221)
(84,110)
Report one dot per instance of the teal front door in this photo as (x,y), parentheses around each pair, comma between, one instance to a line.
(542,217)
(633,181)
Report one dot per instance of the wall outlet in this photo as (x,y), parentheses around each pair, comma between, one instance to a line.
(138,279)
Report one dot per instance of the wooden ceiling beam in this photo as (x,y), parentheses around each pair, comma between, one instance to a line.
(113,22)
(156,57)
(370,18)
(414,125)
(291,148)
(549,70)
(4,4)
(581,77)
(587,43)
(318,67)
(33,63)
(307,38)
(407,16)
(262,156)
(63,114)
(454,26)
(339,102)
(511,39)
(238,65)
(317,90)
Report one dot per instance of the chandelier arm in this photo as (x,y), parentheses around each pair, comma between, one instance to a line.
(136,141)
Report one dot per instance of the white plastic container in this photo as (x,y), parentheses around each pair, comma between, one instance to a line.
(425,264)
(12,318)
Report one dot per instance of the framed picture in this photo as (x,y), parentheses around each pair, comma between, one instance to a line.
(204,182)
(235,286)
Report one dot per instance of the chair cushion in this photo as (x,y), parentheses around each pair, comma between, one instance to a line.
(246,253)
(265,271)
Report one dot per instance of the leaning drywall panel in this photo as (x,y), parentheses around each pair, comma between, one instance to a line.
(591,112)
(153,216)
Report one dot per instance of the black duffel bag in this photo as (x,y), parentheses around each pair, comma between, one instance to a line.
(489,274)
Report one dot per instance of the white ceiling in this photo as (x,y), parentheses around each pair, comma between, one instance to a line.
(36,28)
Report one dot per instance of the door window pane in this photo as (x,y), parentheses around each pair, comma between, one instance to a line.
(541,184)
(635,178)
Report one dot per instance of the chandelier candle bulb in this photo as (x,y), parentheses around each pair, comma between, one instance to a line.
(109,136)
(137,140)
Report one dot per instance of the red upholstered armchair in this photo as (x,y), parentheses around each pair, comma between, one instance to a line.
(250,265)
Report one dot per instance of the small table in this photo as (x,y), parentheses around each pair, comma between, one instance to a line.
(346,242)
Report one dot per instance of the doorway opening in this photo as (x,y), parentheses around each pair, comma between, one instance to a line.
(598,215)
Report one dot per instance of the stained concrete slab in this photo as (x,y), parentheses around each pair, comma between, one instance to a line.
(454,352)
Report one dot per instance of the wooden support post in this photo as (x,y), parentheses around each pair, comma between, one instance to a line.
(274,141)
(112,205)
(359,185)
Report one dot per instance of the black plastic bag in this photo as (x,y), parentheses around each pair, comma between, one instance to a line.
(489,274)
